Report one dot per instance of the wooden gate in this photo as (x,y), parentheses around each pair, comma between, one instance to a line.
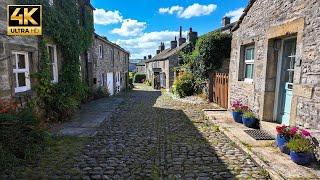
(220,89)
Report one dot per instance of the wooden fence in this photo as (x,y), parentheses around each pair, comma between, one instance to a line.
(220,89)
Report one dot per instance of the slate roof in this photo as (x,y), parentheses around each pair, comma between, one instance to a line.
(165,54)
(141,63)
(110,43)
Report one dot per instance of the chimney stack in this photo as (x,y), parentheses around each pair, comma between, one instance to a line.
(225,21)
(192,37)
(144,57)
(149,56)
(161,47)
(174,43)
(158,51)
(181,39)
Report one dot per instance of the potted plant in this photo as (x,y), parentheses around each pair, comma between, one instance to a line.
(237,110)
(249,119)
(301,147)
(283,137)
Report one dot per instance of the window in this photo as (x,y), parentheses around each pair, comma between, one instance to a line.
(100,51)
(21,72)
(52,51)
(249,63)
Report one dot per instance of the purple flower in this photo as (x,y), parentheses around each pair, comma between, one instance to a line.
(293,131)
(305,133)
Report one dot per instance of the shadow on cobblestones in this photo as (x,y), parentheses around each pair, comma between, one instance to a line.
(149,139)
(152,136)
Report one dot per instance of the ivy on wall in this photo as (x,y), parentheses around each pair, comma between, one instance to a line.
(70,27)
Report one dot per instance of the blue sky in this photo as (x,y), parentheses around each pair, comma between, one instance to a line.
(140,25)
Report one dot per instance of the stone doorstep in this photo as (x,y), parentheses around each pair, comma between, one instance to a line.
(277,164)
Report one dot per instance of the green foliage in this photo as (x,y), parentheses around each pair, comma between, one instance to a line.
(148,82)
(213,48)
(184,85)
(101,93)
(71,28)
(300,145)
(249,114)
(210,52)
(21,137)
(139,78)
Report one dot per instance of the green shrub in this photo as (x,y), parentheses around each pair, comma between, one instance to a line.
(101,93)
(300,145)
(139,78)
(184,85)
(249,114)
(21,137)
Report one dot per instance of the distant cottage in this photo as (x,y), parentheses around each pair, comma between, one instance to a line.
(161,68)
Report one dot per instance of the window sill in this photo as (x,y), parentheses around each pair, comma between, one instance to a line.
(248,81)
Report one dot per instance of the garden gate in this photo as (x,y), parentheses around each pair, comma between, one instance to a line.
(220,89)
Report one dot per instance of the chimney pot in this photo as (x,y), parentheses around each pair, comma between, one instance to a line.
(190,29)
(149,56)
(144,57)
(225,21)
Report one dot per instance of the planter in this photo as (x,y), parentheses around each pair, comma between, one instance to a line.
(301,158)
(282,144)
(249,122)
(237,116)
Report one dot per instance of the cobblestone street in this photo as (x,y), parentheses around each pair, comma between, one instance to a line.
(153,136)
(150,136)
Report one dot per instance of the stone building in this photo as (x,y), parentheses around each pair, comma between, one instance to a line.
(110,65)
(275,61)
(161,68)
(141,66)
(19,57)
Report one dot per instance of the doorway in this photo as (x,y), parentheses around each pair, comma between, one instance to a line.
(285,76)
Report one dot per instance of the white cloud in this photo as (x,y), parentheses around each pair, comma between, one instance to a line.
(235,14)
(130,27)
(174,9)
(104,17)
(148,42)
(198,10)
(193,10)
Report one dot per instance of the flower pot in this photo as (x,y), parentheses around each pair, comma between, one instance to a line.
(249,122)
(301,158)
(237,116)
(282,144)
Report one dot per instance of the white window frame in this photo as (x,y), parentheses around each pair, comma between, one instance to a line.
(248,62)
(27,87)
(100,51)
(54,64)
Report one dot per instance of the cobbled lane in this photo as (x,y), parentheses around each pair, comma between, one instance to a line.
(152,136)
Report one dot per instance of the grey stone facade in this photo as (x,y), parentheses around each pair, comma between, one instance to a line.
(264,25)
(113,61)
(161,68)
(28,45)
(8,45)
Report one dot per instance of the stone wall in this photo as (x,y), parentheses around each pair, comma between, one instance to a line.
(13,43)
(265,22)
(114,60)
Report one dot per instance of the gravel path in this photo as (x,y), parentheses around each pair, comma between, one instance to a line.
(153,136)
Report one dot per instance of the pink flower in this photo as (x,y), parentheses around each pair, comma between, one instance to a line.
(293,131)
(305,133)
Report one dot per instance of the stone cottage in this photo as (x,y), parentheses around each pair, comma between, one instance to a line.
(275,61)
(161,68)
(141,66)
(19,57)
(110,65)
